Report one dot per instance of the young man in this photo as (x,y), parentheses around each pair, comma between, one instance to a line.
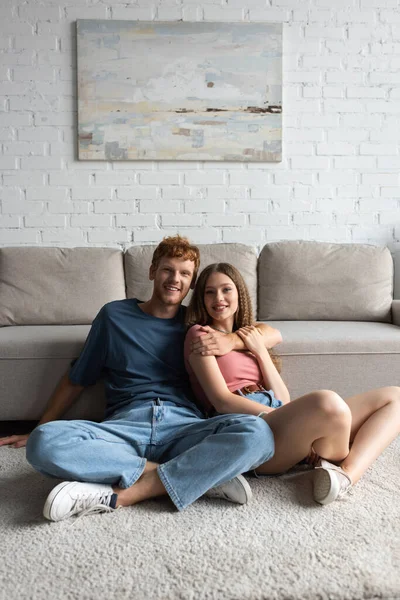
(154,440)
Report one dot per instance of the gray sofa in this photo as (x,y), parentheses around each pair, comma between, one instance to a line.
(333,304)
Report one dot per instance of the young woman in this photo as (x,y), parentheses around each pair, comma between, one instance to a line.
(348,435)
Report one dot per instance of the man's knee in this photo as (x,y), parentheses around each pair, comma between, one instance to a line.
(259,438)
(35,445)
(40,444)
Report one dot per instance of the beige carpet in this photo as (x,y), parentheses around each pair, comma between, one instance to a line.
(281,546)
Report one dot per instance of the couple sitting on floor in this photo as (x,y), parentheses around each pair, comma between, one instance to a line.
(186,432)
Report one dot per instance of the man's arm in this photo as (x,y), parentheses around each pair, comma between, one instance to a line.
(60,401)
(215,343)
(87,369)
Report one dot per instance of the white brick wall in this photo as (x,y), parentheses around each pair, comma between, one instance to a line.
(339,178)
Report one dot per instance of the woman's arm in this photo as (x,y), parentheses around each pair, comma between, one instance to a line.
(213,383)
(253,340)
(271,336)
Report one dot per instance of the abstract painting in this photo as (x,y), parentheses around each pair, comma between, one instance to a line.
(179,91)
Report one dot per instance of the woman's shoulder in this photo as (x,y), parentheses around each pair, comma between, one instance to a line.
(194,331)
(191,334)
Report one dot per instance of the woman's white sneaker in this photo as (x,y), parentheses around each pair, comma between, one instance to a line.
(75,498)
(330,482)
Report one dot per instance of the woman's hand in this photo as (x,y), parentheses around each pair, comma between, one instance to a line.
(253,339)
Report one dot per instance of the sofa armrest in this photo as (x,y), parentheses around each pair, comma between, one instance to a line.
(396,312)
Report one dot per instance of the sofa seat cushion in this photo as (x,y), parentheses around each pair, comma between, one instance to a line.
(42,341)
(346,357)
(32,361)
(333,337)
(305,280)
(58,286)
(138,260)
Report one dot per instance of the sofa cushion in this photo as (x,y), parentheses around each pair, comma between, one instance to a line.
(33,358)
(337,337)
(138,260)
(347,357)
(42,341)
(45,286)
(316,281)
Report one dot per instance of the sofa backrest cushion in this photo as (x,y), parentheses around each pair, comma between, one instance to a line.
(303,280)
(63,286)
(138,260)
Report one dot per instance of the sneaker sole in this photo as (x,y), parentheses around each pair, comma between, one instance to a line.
(326,486)
(247,489)
(50,500)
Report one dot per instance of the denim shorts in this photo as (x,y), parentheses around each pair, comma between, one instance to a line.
(266,397)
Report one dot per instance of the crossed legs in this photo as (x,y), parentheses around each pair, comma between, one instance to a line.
(369,422)
(116,463)
(321,420)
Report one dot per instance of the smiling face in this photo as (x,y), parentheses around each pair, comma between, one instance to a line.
(221,300)
(172,280)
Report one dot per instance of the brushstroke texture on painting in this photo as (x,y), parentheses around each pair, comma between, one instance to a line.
(179,91)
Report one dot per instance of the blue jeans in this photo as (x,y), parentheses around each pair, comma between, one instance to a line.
(194,453)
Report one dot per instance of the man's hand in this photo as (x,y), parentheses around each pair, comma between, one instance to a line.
(214,343)
(15,441)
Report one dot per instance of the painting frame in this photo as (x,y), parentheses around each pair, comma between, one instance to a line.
(154,90)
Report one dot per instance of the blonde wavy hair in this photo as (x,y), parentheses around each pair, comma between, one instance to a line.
(197,313)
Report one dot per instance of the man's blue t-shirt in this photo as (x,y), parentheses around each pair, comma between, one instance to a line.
(139,356)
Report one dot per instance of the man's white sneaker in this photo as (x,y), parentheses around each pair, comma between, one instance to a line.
(74,498)
(330,482)
(236,490)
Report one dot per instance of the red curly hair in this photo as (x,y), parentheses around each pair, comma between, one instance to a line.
(177,247)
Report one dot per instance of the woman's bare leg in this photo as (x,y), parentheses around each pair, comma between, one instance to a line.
(375,423)
(321,419)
